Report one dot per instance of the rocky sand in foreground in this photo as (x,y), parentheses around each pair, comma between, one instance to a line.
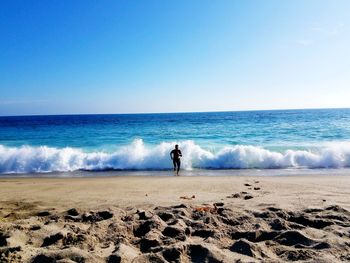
(180,233)
(184,219)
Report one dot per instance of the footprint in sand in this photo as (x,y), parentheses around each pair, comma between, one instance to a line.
(242,195)
(250,186)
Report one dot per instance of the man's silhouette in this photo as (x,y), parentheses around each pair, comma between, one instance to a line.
(175,156)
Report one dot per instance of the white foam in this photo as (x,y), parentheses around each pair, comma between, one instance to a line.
(136,156)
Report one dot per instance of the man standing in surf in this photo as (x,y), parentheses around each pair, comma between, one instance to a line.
(175,156)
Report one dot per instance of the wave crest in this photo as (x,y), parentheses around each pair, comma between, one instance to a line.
(136,156)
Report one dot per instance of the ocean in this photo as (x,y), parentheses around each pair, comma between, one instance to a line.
(224,142)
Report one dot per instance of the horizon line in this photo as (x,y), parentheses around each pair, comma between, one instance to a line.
(174,112)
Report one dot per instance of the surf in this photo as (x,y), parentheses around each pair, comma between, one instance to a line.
(139,156)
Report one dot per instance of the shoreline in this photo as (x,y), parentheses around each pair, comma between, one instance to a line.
(186,173)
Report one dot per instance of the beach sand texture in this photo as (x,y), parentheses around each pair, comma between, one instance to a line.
(175,219)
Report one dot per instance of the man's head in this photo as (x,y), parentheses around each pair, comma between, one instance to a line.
(176,146)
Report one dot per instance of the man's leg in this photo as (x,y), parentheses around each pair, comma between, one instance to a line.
(178,165)
(174,163)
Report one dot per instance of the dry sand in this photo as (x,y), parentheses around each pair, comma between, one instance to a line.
(175,219)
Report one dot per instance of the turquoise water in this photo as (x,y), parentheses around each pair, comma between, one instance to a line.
(283,139)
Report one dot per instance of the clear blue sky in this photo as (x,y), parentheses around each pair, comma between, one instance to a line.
(91,56)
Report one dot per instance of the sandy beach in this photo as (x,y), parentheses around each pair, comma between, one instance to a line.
(175,219)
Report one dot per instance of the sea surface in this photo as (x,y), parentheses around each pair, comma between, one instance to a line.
(289,140)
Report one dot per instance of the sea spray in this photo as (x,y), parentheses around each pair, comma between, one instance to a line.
(138,156)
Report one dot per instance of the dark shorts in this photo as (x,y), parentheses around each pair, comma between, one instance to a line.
(177,163)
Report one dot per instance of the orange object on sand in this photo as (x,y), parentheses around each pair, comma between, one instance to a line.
(206,209)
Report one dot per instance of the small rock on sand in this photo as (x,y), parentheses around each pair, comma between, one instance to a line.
(73,212)
(247,197)
(35,227)
(43,213)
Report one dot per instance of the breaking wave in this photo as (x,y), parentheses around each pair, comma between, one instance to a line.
(138,156)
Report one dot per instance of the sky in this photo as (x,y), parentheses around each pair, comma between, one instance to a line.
(88,56)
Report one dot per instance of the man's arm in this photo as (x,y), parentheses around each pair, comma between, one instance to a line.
(180,153)
(171,155)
